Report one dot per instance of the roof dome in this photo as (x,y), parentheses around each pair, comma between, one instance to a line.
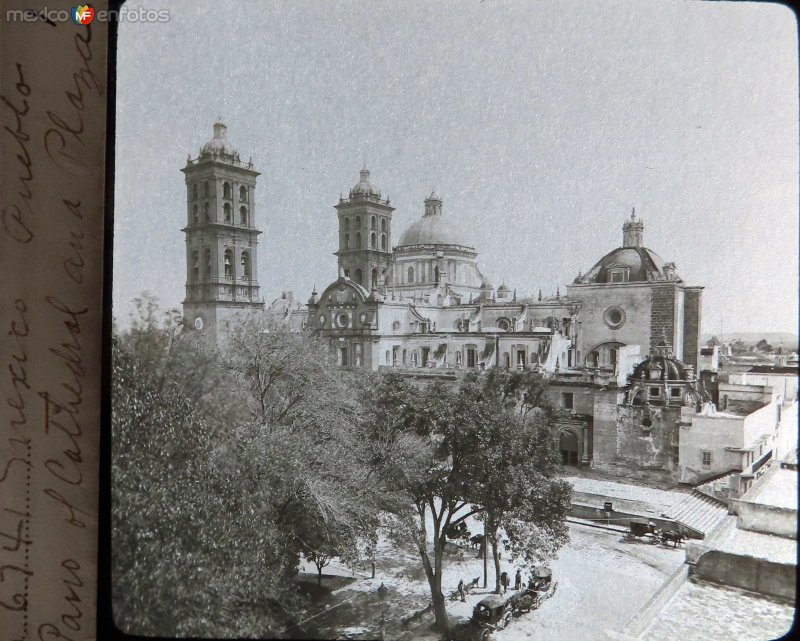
(432,228)
(219,144)
(364,186)
(660,365)
(637,264)
(630,263)
(504,288)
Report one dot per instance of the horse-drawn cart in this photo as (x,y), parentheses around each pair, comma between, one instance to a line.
(647,530)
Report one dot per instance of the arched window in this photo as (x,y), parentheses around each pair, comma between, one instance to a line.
(373,241)
(346,222)
(205,189)
(410,274)
(228,260)
(243,194)
(194,191)
(243,215)
(245,266)
(195,265)
(359,276)
(374,277)
(358,222)
(383,225)
(195,216)
(358,240)
(372,223)
(206,212)
(207,261)
(226,208)
(226,190)
(383,242)
(347,241)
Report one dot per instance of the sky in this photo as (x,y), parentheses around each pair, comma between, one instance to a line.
(539,123)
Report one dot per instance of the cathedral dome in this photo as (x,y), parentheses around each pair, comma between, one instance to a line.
(630,263)
(219,144)
(432,228)
(364,186)
(634,264)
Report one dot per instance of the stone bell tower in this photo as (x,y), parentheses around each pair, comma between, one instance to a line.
(365,234)
(221,237)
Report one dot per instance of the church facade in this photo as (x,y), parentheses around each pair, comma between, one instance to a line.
(425,303)
(423,308)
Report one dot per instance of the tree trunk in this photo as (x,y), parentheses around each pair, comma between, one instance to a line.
(496,559)
(434,574)
(319,576)
(439,608)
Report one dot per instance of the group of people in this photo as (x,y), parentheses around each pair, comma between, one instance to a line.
(504,583)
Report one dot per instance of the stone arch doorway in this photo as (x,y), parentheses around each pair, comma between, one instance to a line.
(569,447)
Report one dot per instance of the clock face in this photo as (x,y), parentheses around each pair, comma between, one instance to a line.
(198,323)
(322,319)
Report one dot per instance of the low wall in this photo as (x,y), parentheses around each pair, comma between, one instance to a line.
(768,519)
(746,572)
(618,518)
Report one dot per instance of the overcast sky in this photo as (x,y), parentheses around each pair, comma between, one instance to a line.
(540,124)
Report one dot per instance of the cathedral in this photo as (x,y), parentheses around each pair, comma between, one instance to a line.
(423,308)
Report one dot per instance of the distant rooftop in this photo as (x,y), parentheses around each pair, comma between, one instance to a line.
(778,488)
(774,369)
(732,539)
(701,611)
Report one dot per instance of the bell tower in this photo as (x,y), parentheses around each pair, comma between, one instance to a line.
(221,237)
(365,234)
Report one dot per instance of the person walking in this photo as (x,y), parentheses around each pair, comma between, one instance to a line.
(504,581)
(461,590)
(518,580)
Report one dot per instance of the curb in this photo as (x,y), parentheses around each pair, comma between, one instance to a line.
(609,528)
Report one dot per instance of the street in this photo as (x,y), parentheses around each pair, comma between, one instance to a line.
(602,582)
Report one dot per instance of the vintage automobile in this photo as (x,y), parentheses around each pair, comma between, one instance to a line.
(491,613)
(496,611)
(540,587)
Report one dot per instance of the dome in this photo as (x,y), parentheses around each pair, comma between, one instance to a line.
(631,263)
(635,264)
(432,228)
(364,186)
(219,144)
(660,365)
(503,289)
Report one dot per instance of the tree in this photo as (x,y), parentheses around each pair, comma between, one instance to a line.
(519,488)
(443,455)
(195,550)
(764,347)
(224,466)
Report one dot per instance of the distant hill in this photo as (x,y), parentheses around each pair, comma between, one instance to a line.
(787,339)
